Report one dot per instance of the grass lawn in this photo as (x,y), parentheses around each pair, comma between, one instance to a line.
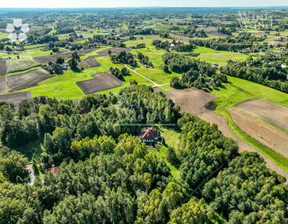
(156,74)
(218,57)
(171,140)
(239,90)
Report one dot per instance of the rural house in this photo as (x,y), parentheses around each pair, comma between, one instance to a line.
(150,135)
(54,169)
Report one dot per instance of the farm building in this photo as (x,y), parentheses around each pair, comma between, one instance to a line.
(150,135)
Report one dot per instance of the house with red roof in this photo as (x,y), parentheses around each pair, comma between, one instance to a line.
(54,169)
(150,135)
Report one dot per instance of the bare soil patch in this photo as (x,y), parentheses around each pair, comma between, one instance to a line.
(191,100)
(192,55)
(89,62)
(2,84)
(15,80)
(265,110)
(261,131)
(101,81)
(194,101)
(114,50)
(16,98)
(3,67)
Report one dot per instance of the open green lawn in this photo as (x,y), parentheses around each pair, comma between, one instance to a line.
(238,90)
(218,57)
(171,140)
(156,74)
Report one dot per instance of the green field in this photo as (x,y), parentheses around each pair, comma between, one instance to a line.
(218,57)
(22,64)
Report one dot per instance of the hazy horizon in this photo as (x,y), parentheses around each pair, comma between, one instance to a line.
(141,3)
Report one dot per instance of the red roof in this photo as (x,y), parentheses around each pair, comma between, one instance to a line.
(150,134)
(54,169)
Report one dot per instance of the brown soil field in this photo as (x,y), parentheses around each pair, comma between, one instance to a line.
(101,81)
(265,110)
(113,50)
(15,80)
(261,131)
(192,55)
(3,84)
(3,67)
(16,98)
(89,62)
(31,82)
(53,58)
(193,101)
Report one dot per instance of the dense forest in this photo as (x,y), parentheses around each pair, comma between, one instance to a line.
(107,175)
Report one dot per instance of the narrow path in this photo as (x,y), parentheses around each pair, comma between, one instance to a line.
(142,76)
(155,84)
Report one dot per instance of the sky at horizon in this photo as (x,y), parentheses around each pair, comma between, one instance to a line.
(137,3)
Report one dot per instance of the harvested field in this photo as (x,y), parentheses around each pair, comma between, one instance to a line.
(3,67)
(15,80)
(101,81)
(194,103)
(16,98)
(261,131)
(31,82)
(89,62)
(192,100)
(53,58)
(265,110)
(3,84)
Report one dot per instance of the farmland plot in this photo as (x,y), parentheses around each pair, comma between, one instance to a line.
(3,67)
(2,84)
(16,65)
(261,131)
(102,81)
